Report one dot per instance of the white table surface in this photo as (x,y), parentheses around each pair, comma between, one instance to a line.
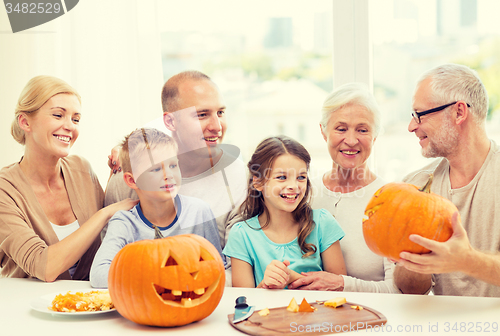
(406,314)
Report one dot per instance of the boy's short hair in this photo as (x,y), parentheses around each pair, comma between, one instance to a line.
(137,143)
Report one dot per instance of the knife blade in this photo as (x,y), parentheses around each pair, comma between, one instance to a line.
(242,310)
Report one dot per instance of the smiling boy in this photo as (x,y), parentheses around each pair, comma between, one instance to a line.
(195,113)
(150,166)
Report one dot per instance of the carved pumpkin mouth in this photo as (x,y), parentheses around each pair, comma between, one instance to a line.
(179,298)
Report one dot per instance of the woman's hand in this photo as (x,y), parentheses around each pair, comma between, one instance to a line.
(330,279)
(126,204)
(276,275)
(319,281)
(114,160)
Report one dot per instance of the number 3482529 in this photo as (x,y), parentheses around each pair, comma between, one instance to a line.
(471,327)
(33,8)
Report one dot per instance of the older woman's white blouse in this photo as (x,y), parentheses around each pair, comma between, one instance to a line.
(366,271)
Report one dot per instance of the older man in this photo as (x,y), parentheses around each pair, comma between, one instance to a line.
(194,112)
(450,107)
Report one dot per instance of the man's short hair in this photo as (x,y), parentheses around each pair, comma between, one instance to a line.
(137,143)
(170,91)
(454,82)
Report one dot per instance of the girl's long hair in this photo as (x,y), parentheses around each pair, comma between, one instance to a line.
(260,166)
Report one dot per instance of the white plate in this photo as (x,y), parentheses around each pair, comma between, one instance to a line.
(43,303)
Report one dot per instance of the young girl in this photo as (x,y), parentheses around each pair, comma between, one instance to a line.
(281,235)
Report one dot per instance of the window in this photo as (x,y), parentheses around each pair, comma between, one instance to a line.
(272,61)
(412,36)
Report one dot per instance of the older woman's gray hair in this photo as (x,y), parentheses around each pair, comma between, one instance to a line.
(350,94)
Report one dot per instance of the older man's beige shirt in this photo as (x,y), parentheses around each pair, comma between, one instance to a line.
(479,207)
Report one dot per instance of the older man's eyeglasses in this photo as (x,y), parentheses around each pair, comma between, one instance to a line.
(416,115)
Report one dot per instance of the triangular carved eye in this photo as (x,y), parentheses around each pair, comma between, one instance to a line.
(171,262)
(205,255)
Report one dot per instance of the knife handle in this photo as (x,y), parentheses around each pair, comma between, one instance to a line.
(241,302)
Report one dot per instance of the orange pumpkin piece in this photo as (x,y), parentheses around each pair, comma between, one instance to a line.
(264,312)
(293,306)
(164,282)
(336,302)
(398,210)
(305,307)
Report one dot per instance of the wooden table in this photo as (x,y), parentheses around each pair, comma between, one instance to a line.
(406,314)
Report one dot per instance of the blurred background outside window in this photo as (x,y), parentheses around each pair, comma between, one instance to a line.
(412,36)
(273,63)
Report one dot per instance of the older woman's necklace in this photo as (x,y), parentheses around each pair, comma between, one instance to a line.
(339,196)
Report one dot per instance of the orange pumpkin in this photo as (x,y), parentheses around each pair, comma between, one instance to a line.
(167,282)
(398,210)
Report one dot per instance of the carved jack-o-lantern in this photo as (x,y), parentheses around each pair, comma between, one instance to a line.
(398,210)
(167,282)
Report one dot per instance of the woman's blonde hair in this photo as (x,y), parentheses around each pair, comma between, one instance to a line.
(34,95)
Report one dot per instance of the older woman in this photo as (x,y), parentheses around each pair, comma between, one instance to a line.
(350,125)
(51,204)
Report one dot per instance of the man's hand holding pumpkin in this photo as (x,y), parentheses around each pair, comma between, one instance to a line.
(445,257)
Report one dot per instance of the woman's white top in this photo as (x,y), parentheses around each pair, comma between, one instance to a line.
(366,271)
(62,231)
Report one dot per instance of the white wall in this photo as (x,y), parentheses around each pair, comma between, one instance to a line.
(109,51)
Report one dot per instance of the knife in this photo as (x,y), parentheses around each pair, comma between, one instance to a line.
(242,310)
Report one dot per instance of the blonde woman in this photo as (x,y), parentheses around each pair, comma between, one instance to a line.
(51,204)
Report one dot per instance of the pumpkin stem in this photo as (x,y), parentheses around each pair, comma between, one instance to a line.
(427,187)
(158,234)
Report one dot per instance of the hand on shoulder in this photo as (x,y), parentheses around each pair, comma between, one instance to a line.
(126,204)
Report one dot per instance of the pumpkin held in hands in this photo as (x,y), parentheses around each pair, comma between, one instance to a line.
(398,210)
(167,282)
